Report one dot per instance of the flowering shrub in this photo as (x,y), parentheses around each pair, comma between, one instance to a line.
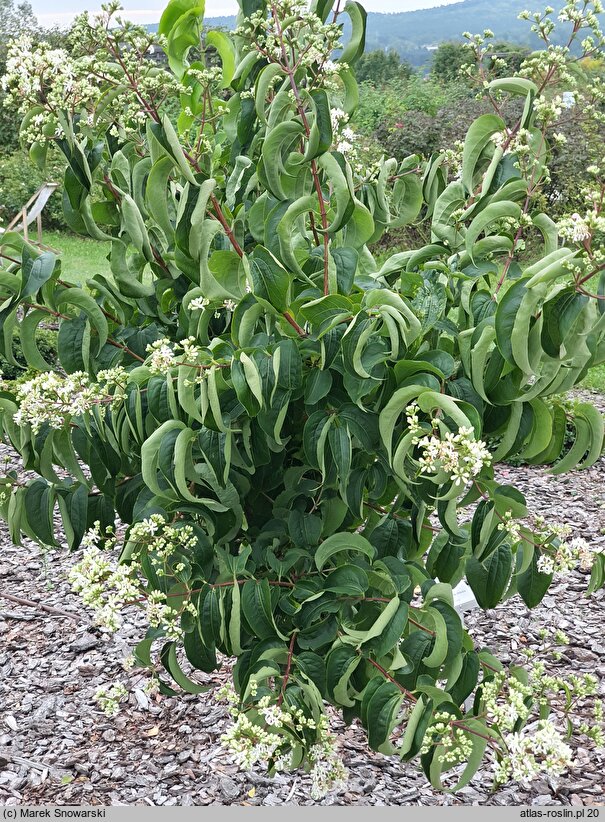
(299,444)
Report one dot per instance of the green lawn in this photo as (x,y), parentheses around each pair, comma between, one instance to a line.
(595,379)
(81,257)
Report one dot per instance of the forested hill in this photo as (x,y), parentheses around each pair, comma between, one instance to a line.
(414,33)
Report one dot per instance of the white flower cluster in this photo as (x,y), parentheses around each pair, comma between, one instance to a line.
(292,36)
(161,615)
(549,689)
(526,149)
(266,739)
(102,586)
(198,303)
(541,750)
(165,354)
(107,588)
(54,399)
(456,744)
(548,110)
(343,134)
(452,158)
(566,556)
(459,455)
(106,53)
(109,698)
(511,526)
(164,546)
(159,541)
(39,74)
(161,356)
(506,701)
(579,228)
(358,151)
(576,228)
(328,772)
(583,16)
(412,419)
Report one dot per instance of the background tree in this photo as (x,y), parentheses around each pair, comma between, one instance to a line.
(506,58)
(15,19)
(449,59)
(380,67)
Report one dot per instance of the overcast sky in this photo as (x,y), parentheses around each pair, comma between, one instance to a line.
(148,11)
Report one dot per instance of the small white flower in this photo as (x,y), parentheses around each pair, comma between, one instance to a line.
(162,357)
(198,303)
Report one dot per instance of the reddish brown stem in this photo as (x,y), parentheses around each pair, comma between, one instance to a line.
(126,349)
(388,676)
(456,723)
(316,181)
(11,259)
(228,230)
(47,310)
(290,319)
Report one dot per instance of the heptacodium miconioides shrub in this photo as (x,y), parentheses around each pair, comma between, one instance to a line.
(291,435)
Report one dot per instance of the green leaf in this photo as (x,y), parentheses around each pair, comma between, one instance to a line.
(415,728)
(39,505)
(392,632)
(317,386)
(271,281)
(342,542)
(198,653)
(382,712)
(174,10)
(393,410)
(506,316)
(380,624)
(235,620)
(257,608)
(354,48)
(78,298)
(150,453)
(35,271)
(348,579)
(465,681)
(170,662)
(492,213)
(340,665)
(304,528)
(320,138)
(222,43)
(440,646)
(533,585)
(183,35)
(327,312)
(478,138)
(489,578)
(597,575)
(31,352)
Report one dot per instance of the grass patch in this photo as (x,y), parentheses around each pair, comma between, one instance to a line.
(81,257)
(595,379)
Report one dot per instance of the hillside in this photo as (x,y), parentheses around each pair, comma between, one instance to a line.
(414,33)
(432,26)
